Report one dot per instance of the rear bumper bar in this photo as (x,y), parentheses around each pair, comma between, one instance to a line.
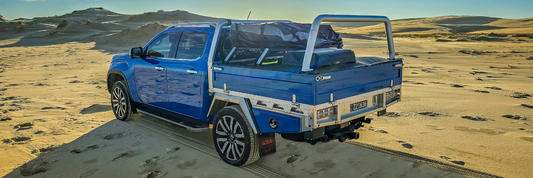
(329,133)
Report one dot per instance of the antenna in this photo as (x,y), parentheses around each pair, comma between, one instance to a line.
(248,15)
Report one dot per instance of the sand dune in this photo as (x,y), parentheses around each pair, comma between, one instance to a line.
(95,24)
(131,37)
(93,14)
(173,16)
(450,24)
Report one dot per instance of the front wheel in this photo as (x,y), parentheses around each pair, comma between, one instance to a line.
(234,138)
(121,102)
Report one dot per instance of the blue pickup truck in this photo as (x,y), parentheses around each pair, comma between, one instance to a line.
(250,79)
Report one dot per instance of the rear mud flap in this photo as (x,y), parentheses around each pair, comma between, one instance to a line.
(267,144)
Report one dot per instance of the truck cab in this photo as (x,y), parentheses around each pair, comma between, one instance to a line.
(249,86)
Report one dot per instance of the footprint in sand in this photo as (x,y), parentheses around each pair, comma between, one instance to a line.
(514,117)
(151,169)
(5,118)
(115,135)
(39,84)
(528,106)
(406,145)
(126,154)
(23,126)
(382,131)
(481,91)
(478,72)
(520,95)
(457,85)
(291,158)
(172,150)
(153,174)
(432,114)
(45,149)
(392,114)
(76,81)
(16,139)
(493,88)
(33,168)
(51,107)
(152,160)
(186,164)
(487,131)
(12,85)
(472,118)
(322,166)
(437,83)
(89,173)
(294,158)
(80,150)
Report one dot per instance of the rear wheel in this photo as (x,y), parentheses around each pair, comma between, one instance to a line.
(121,102)
(234,138)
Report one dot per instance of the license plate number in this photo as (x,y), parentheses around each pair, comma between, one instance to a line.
(357,106)
(345,124)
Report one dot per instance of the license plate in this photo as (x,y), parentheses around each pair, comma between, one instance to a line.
(357,106)
(345,124)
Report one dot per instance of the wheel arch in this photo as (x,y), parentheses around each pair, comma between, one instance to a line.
(114,76)
(221,100)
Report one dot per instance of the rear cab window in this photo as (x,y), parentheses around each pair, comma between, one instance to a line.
(192,45)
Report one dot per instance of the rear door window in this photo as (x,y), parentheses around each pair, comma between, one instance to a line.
(192,45)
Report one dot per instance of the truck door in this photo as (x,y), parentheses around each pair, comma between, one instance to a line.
(185,74)
(150,73)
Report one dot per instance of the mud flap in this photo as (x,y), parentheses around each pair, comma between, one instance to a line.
(267,144)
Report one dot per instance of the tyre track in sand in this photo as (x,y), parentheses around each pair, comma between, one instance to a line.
(171,132)
(430,162)
(168,130)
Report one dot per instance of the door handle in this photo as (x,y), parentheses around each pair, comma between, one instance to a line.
(192,71)
(159,68)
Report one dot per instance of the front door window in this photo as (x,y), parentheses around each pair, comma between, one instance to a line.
(161,47)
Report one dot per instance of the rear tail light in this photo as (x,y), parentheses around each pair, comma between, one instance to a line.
(326,112)
(393,93)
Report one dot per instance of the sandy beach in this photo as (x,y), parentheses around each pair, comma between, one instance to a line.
(467,101)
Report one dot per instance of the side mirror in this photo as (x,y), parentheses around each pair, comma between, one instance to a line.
(136,52)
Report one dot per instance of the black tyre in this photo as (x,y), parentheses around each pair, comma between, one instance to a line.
(234,138)
(121,102)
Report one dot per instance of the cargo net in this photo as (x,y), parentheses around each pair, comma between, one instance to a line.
(280,45)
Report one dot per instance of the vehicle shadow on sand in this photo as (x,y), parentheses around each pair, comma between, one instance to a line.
(146,147)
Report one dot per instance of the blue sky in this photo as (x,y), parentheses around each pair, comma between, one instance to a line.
(296,10)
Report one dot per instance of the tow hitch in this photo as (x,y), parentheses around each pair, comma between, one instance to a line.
(342,133)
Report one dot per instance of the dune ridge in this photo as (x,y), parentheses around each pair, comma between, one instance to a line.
(450,24)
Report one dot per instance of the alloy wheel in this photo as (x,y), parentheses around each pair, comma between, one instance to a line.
(118,100)
(230,138)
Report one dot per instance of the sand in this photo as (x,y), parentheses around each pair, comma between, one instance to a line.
(461,107)
(449,24)
(467,103)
